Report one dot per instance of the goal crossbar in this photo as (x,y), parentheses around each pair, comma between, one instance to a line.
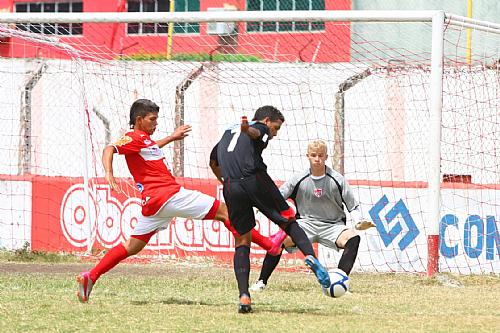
(461,20)
(239,16)
(227,16)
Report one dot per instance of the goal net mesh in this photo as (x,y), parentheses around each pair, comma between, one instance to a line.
(361,87)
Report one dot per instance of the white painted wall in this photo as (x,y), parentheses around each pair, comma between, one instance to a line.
(305,93)
(15,214)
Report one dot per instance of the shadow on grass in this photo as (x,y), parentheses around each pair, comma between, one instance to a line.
(257,308)
(309,311)
(177,301)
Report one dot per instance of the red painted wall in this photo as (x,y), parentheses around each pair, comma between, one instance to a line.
(105,37)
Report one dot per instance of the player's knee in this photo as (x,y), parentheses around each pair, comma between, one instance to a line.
(285,224)
(288,242)
(288,214)
(344,237)
(218,212)
(243,240)
(222,214)
(136,243)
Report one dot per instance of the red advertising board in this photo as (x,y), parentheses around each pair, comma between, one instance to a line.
(64,214)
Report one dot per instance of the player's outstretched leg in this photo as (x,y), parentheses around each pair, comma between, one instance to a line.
(86,280)
(349,255)
(318,269)
(245,304)
(113,257)
(85,285)
(271,244)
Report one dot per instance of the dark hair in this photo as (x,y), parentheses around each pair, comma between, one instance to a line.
(268,111)
(140,108)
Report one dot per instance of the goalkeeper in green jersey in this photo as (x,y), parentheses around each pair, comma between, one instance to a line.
(320,195)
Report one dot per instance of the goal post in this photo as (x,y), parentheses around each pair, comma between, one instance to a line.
(400,121)
(436,107)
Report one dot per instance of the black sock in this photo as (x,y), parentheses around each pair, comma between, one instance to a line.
(268,266)
(242,268)
(349,255)
(300,239)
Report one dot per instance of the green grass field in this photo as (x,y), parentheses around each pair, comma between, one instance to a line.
(179,297)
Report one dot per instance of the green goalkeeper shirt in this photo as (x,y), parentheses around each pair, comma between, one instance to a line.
(322,198)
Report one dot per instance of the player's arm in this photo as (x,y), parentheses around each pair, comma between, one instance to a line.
(107,162)
(180,133)
(252,132)
(286,188)
(360,222)
(214,164)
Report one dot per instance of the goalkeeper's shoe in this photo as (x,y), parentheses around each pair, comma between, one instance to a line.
(85,285)
(245,304)
(277,240)
(259,285)
(318,269)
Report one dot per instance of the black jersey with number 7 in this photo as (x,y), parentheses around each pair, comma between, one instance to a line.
(238,155)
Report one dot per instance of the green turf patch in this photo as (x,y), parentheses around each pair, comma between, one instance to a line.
(180,298)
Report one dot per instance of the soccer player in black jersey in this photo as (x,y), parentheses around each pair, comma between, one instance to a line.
(247,185)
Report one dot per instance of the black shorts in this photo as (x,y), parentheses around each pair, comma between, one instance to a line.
(257,191)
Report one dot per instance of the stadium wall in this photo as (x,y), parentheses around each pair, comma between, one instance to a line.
(374,122)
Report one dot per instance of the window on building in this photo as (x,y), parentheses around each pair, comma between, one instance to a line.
(187,6)
(264,5)
(162,6)
(51,7)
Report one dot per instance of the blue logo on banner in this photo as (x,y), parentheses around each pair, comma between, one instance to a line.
(389,234)
(480,235)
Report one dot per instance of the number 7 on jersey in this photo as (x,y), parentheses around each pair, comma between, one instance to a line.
(236,134)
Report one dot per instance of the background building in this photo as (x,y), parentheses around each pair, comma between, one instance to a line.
(126,39)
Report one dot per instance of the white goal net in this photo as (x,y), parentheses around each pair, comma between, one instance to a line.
(373,100)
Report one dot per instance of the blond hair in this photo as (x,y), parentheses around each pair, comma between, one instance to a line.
(318,145)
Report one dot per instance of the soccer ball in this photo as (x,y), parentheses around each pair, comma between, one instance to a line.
(339,283)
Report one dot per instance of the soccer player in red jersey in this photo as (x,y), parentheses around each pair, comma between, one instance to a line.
(162,197)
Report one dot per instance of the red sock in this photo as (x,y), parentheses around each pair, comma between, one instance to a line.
(110,260)
(263,241)
(257,238)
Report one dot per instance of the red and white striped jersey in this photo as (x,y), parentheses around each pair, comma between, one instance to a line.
(148,166)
